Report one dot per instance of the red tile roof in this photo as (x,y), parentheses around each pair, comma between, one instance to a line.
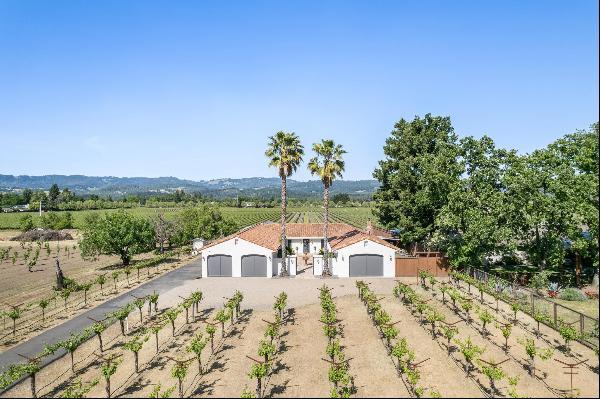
(268,235)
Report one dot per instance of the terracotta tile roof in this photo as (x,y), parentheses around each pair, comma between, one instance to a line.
(267,235)
(381,232)
(315,230)
(355,236)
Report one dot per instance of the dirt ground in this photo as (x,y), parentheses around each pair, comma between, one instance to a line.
(299,370)
(19,287)
(550,376)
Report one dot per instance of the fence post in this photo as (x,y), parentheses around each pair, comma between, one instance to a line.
(532,304)
(555,313)
(581,323)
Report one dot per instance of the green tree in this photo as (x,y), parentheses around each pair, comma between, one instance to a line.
(53,194)
(118,233)
(26,223)
(341,198)
(418,173)
(285,153)
(474,223)
(204,221)
(328,164)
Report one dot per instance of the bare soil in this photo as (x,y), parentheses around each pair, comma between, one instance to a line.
(19,287)
(298,369)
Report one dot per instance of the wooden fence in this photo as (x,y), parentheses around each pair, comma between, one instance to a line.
(408,266)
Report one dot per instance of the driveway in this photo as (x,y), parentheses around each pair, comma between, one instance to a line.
(162,284)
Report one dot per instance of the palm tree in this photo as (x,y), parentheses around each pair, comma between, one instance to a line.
(285,153)
(328,164)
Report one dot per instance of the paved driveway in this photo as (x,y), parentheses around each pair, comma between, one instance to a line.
(161,284)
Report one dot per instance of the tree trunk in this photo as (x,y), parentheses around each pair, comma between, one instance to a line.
(122,324)
(156,336)
(284,271)
(100,340)
(73,362)
(258,388)
(60,278)
(108,387)
(578,269)
(326,271)
(135,355)
(125,258)
(33,389)
(199,365)
(180,388)
(141,316)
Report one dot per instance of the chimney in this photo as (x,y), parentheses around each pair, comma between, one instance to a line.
(369,227)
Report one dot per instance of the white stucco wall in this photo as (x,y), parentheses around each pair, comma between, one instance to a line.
(292,265)
(236,248)
(298,246)
(341,263)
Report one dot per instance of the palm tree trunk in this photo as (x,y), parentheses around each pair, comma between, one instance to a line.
(284,271)
(326,271)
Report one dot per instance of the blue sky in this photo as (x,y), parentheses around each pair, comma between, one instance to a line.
(193,89)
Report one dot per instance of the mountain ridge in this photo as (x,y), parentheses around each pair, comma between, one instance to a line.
(223,187)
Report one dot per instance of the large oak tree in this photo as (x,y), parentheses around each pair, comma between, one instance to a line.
(116,233)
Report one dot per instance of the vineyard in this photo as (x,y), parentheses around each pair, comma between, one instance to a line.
(356,216)
(28,309)
(383,338)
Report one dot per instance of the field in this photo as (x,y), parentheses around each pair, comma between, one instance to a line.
(416,362)
(243,216)
(25,289)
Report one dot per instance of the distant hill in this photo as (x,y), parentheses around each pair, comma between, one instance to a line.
(263,187)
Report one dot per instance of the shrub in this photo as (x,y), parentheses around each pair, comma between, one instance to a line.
(572,294)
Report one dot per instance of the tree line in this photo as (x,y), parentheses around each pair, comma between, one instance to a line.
(57,199)
(484,205)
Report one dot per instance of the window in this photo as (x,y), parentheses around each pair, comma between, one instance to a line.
(322,244)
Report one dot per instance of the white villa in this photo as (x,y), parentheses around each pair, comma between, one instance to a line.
(256,252)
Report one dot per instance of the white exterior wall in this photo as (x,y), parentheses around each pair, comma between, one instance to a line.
(341,263)
(292,265)
(236,248)
(298,246)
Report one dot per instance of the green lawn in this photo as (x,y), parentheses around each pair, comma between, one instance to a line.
(588,308)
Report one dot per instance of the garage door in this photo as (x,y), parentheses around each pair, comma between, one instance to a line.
(254,266)
(366,265)
(219,266)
